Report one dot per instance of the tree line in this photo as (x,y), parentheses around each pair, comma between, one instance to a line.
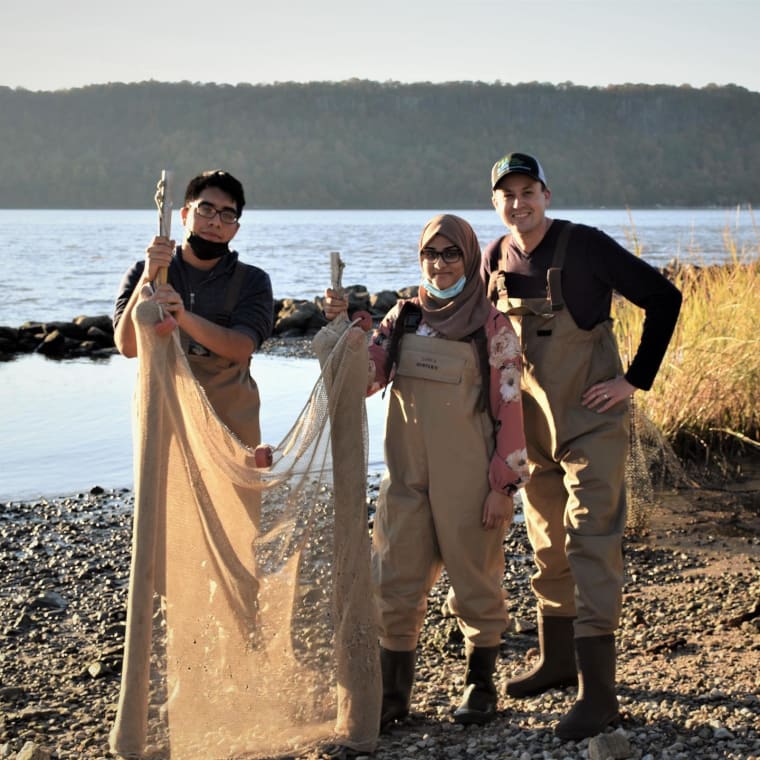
(365,144)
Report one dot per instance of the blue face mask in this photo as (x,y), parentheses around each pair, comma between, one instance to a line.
(450,292)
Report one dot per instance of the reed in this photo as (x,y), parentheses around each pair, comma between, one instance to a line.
(706,397)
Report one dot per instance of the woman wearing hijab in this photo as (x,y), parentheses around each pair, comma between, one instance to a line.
(455,455)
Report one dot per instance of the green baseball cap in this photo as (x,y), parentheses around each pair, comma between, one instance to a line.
(517,163)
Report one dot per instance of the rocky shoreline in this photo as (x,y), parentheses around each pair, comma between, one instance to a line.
(92,337)
(689,642)
(294,318)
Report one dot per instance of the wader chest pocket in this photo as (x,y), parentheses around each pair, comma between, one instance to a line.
(430,366)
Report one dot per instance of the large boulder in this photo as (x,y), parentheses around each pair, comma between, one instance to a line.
(297,318)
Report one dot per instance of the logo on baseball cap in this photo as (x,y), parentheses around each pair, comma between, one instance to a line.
(517,163)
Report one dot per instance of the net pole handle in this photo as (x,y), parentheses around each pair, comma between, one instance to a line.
(164,205)
(336,277)
(336,273)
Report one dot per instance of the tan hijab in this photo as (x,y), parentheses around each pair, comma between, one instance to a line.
(460,316)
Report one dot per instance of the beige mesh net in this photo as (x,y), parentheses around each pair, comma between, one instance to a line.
(650,464)
(251,628)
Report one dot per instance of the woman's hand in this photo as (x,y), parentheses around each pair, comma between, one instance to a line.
(334,305)
(498,510)
(603,396)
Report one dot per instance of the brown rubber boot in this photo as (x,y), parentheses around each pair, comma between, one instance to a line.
(596,705)
(398,677)
(478,704)
(556,666)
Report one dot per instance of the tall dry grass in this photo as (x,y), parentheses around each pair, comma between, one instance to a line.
(706,397)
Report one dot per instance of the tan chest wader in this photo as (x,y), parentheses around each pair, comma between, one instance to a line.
(575,500)
(438,446)
(230,389)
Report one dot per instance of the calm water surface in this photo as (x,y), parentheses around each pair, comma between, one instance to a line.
(59,264)
(67,424)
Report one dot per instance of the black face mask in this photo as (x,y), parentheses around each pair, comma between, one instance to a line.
(206,250)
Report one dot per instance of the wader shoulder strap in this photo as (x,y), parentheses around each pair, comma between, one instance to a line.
(232,295)
(501,258)
(497,263)
(554,273)
(408,321)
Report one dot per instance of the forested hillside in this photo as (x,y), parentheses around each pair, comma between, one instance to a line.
(362,144)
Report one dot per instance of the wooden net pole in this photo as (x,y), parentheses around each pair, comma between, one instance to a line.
(163,198)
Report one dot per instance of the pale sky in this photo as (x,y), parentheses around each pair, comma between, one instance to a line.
(53,45)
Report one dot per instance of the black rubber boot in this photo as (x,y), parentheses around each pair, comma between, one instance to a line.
(398,677)
(339,752)
(478,704)
(596,705)
(556,666)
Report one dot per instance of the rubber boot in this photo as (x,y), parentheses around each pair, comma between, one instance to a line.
(478,704)
(556,665)
(596,705)
(340,752)
(398,677)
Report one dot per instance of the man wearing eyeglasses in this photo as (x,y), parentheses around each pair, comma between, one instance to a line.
(222,307)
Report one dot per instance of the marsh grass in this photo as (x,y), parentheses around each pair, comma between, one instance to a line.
(705,400)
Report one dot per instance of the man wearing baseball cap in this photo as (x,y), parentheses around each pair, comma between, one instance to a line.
(556,280)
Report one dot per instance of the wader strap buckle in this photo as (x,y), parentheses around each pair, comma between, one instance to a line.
(554,286)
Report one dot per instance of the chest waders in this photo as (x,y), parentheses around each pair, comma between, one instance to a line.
(438,447)
(229,387)
(575,500)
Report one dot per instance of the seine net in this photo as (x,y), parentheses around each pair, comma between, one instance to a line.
(650,464)
(251,629)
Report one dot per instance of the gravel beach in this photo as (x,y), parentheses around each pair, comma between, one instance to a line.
(689,645)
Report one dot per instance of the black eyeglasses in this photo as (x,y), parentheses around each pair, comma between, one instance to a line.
(209,211)
(450,255)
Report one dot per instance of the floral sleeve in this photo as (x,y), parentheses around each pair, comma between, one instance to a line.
(509,463)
